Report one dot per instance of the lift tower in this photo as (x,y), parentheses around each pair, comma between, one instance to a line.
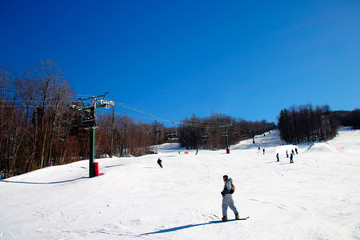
(88,106)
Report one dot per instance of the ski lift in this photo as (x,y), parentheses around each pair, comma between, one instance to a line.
(205,138)
(156,128)
(172,136)
(89,121)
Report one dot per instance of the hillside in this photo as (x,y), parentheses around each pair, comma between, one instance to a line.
(316,197)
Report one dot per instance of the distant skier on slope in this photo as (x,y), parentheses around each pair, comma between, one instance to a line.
(227,200)
(291,158)
(159,161)
(277,157)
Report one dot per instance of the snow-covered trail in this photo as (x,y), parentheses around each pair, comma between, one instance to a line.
(317,197)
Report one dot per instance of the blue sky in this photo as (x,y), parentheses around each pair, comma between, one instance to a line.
(246,59)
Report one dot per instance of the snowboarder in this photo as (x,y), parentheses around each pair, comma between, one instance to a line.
(159,161)
(277,157)
(227,200)
(291,158)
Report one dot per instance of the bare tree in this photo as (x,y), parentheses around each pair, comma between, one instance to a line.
(51,95)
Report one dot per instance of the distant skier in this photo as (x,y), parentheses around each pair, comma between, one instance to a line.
(287,154)
(263,151)
(227,200)
(277,157)
(291,158)
(296,151)
(292,151)
(159,161)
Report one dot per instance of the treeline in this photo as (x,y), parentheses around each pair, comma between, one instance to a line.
(213,132)
(120,135)
(348,118)
(300,124)
(33,115)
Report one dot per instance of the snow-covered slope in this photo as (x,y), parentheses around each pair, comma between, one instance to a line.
(316,197)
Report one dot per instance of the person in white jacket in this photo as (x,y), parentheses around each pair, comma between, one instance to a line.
(227,200)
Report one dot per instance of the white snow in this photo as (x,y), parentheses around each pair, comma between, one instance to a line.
(316,197)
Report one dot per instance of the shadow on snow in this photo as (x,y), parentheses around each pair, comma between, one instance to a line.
(184,227)
(57,182)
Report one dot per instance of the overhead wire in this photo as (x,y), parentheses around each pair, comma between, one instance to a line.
(143,112)
(148,116)
(160,119)
(130,115)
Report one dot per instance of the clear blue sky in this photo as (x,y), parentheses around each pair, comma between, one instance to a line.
(246,59)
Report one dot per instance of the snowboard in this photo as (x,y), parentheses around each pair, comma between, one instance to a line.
(229,220)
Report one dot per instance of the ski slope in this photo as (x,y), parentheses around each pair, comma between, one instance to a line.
(316,197)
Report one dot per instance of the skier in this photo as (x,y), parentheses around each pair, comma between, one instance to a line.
(277,157)
(291,158)
(263,151)
(227,200)
(159,161)
(296,151)
(287,154)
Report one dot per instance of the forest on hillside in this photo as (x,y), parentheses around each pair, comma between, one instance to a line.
(218,131)
(301,124)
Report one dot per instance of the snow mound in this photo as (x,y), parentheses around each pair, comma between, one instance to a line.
(321,147)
